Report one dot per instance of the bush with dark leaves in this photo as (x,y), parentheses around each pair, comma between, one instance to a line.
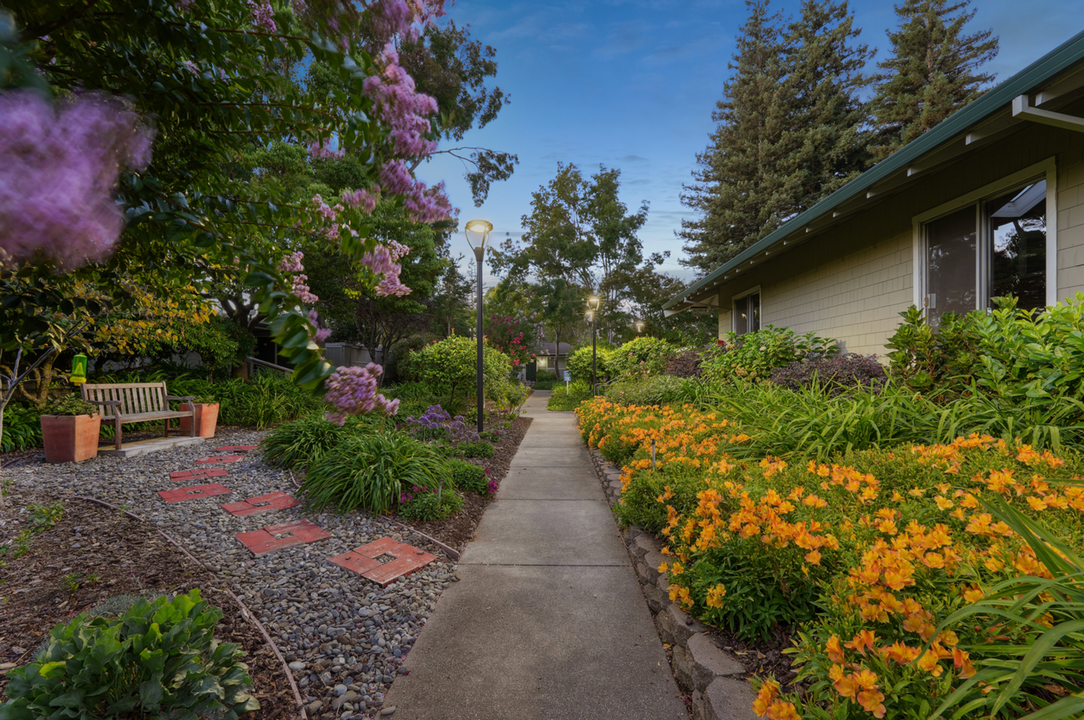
(833,373)
(685,364)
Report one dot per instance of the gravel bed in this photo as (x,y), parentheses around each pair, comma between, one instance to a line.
(344,637)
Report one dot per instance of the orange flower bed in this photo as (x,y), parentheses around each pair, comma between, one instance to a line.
(867,558)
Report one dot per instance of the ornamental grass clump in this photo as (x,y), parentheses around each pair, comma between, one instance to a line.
(370,471)
(424,505)
(301,443)
(157,659)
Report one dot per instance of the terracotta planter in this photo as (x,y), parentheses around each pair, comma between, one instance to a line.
(70,438)
(206,418)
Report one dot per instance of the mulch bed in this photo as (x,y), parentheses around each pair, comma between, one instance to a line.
(94,553)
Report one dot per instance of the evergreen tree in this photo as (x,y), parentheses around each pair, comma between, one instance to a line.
(828,118)
(791,129)
(739,186)
(933,70)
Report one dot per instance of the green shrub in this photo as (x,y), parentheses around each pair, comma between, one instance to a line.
(22,428)
(639,358)
(940,363)
(469,477)
(579,362)
(157,660)
(652,390)
(545,376)
(449,369)
(300,443)
(424,505)
(547,384)
(480,449)
(69,405)
(369,471)
(563,399)
(268,398)
(751,357)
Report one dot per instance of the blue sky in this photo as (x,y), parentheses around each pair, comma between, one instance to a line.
(631,84)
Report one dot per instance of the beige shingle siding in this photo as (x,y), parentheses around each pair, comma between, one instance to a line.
(1071,219)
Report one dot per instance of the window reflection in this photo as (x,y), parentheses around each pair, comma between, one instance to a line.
(1017,223)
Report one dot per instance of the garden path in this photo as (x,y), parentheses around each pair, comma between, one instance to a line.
(548,621)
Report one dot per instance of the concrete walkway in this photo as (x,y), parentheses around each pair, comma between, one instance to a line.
(548,621)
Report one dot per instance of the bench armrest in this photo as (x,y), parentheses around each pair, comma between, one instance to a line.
(113,403)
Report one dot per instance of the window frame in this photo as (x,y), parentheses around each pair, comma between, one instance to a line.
(1044,170)
(755,290)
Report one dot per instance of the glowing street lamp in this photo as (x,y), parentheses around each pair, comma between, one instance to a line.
(592,303)
(480,229)
(639,326)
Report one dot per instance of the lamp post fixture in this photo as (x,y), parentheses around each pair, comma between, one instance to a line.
(592,303)
(639,326)
(480,229)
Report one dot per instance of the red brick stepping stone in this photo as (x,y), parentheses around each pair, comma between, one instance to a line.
(261,504)
(236,448)
(220,459)
(197,474)
(384,561)
(276,537)
(194,492)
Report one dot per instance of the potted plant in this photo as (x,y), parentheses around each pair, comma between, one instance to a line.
(206,417)
(69,429)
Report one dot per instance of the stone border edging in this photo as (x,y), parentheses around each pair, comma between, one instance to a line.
(702,668)
(244,608)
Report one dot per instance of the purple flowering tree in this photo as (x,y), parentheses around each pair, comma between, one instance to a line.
(121,121)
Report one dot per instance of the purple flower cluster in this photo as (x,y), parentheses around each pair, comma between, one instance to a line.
(414,490)
(292,264)
(58,174)
(352,390)
(321,334)
(364,199)
(381,263)
(391,18)
(492,486)
(262,15)
(436,421)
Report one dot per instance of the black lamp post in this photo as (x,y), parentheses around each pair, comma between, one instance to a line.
(592,302)
(480,229)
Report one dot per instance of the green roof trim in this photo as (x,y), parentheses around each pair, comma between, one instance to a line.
(1043,69)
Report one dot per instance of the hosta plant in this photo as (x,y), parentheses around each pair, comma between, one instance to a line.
(156,660)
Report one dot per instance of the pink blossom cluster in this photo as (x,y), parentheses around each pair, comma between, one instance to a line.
(364,199)
(59,169)
(389,18)
(330,214)
(352,390)
(423,204)
(402,108)
(319,151)
(381,262)
(292,264)
(321,334)
(262,15)
(398,250)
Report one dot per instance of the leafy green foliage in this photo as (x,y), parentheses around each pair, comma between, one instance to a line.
(564,399)
(580,362)
(449,368)
(424,505)
(370,471)
(69,405)
(266,399)
(158,659)
(301,443)
(639,358)
(751,357)
(657,390)
(835,373)
(469,477)
(22,428)
(480,449)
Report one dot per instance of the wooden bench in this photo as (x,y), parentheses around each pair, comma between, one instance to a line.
(136,402)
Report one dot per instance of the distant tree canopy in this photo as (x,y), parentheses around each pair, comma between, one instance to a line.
(792,126)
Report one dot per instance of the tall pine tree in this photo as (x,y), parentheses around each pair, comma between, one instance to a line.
(828,136)
(791,129)
(738,187)
(933,71)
